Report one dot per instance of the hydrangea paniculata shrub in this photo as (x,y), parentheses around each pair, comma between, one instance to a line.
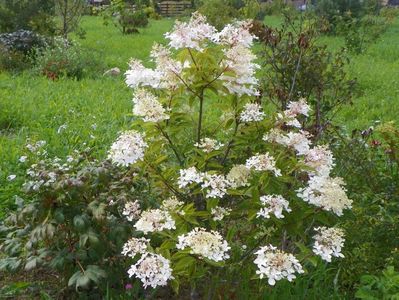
(231,181)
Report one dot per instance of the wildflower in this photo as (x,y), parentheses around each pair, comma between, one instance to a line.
(132,210)
(189,176)
(252,113)
(23,159)
(328,242)
(219,213)
(208,145)
(62,128)
(152,269)
(327,193)
(209,245)
(238,176)
(263,162)
(273,204)
(154,220)
(146,105)
(135,246)
(276,264)
(128,148)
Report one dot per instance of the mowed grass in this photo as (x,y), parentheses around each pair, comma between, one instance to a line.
(94,110)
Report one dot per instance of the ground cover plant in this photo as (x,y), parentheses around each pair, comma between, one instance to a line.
(75,115)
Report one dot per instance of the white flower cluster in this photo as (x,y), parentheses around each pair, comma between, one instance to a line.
(172,204)
(208,145)
(131,210)
(238,68)
(216,185)
(191,34)
(263,162)
(128,148)
(152,269)
(276,264)
(154,220)
(327,193)
(321,160)
(252,113)
(135,246)
(189,176)
(219,213)
(146,105)
(328,242)
(206,244)
(275,204)
(238,176)
(299,141)
(294,109)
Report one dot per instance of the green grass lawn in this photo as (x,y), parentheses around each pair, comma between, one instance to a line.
(35,107)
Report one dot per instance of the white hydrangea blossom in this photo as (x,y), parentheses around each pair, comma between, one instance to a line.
(239,60)
(276,264)
(138,75)
(189,176)
(238,176)
(146,105)
(152,269)
(191,34)
(172,204)
(135,246)
(131,210)
(297,140)
(206,244)
(327,193)
(208,145)
(252,113)
(275,204)
(154,220)
(263,162)
(296,108)
(216,185)
(236,34)
(328,242)
(219,213)
(169,69)
(321,160)
(128,148)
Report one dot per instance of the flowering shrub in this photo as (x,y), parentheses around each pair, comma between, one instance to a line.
(230,181)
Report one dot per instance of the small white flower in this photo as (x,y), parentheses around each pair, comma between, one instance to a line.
(273,204)
(216,185)
(152,269)
(154,220)
(328,242)
(238,176)
(205,244)
(62,128)
(276,264)
(128,148)
(219,213)
(252,113)
(172,204)
(146,105)
(23,159)
(263,162)
(11,177)
(132,210)
(135,246)
(189,176)
(208,145)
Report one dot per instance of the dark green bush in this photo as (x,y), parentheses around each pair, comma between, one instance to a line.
(218,12)
(27,14)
